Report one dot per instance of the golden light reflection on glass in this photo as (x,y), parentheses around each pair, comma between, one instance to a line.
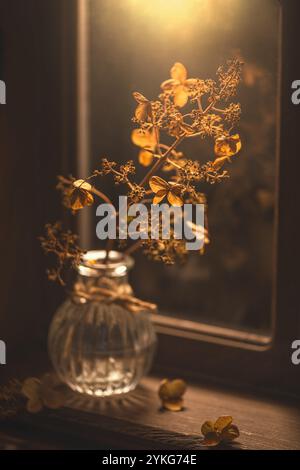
(169,10)
(172,13)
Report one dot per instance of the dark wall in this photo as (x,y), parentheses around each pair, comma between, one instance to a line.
(34,129)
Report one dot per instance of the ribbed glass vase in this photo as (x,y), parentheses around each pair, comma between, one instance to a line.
(101,348)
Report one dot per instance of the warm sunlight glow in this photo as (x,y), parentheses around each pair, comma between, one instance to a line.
(169,11)
(181,15)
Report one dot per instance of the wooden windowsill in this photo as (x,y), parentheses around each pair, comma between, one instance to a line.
(137,422)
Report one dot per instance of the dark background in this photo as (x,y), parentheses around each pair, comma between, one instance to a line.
(34,148)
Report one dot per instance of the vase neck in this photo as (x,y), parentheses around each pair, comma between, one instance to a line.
(98,264)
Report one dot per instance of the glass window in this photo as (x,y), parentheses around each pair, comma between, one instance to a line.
(131,46)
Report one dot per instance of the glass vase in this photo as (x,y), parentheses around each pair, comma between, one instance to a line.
(98,344)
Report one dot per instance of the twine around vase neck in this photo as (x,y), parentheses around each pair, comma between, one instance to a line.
(108,291)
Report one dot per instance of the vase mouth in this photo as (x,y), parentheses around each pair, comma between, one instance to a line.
(95,263)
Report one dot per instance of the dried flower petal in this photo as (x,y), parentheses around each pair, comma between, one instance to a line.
(80,198)
(144,138)
(43,392)
(207,427)
(174,195)
(158,184)
(171,392)
(222,422)
(230,433)
(181,96)
(141,99)
(160,195)
(178,72)
(172,388)
(161,189)
(145,157)
(148,141)
(179,85)
(227,146)
(82,184)
(31,387)
(143,110)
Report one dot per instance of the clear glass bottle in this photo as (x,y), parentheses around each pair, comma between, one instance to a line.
(100,348)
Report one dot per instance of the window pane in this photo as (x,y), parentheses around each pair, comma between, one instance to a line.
(132,45)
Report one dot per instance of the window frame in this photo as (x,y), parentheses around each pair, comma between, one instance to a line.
(226,354)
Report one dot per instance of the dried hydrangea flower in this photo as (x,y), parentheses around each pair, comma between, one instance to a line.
(143,109)
(209,115)
(227,146)
(43,392)
(221,431)
(81,196)
(171,394)
(136,193)
(63,245)
(163,189)
(147,140)
(179,84)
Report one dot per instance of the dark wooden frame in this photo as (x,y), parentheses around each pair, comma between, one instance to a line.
(226,354)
